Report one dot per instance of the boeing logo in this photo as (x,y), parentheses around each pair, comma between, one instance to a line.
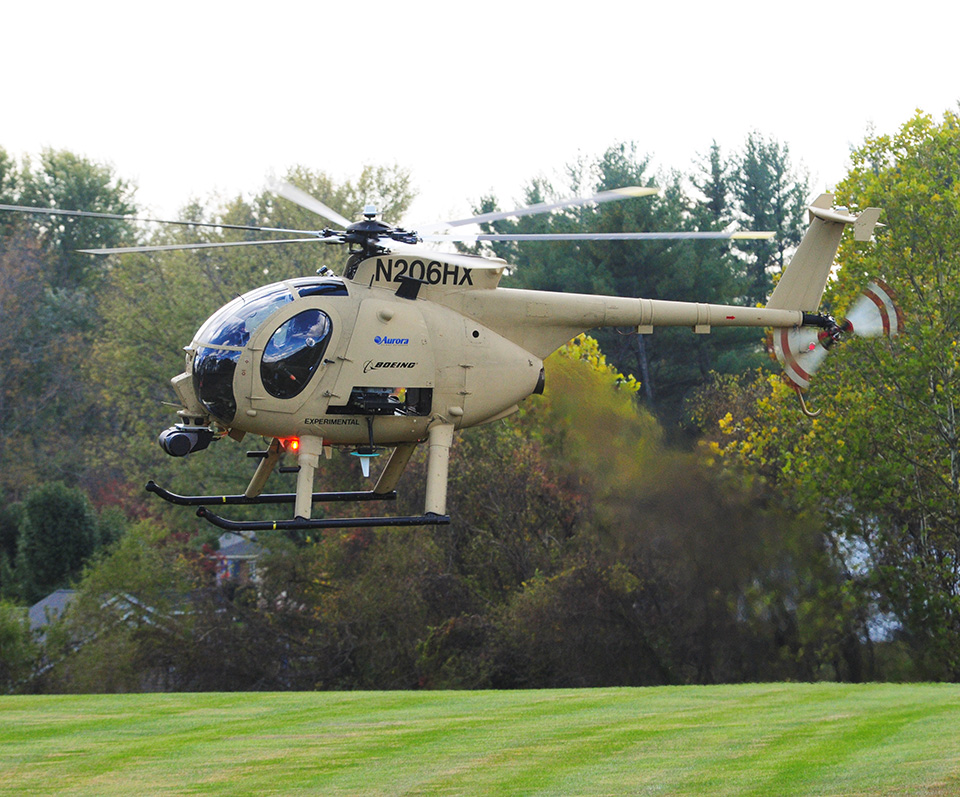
(371,365)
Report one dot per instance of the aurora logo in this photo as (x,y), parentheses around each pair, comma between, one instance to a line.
(383,340)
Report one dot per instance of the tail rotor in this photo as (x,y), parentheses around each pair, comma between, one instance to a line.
(802,350)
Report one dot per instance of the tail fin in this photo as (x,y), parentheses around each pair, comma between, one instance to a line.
(803,281)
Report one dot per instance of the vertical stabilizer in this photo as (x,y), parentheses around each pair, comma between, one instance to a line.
(804,280)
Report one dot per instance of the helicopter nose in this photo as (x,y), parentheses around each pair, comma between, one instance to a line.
(213,370)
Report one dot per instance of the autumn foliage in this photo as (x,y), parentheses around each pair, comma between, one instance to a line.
(586,547)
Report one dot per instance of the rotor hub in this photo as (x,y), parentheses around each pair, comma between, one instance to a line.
(368,233)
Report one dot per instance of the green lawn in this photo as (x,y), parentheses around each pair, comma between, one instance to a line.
(758,739)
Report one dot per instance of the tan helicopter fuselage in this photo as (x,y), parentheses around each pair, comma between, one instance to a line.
(401,364)
(448,347)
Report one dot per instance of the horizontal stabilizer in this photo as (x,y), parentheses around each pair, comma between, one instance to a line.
(866,221)
(802,284)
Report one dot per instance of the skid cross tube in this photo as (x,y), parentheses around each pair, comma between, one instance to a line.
(303,524)
(268,498)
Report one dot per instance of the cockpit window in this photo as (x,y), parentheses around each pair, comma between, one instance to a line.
(213,371)
(294,352)
(233,324)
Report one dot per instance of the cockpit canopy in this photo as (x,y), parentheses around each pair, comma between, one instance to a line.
(233,324)
(291,356)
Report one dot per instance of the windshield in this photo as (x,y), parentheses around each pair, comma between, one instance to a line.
(233,324)
(213,371)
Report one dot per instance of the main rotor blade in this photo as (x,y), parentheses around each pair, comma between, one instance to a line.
(92,214)
(605,236)
(304,200)
(127,250)
(546,207)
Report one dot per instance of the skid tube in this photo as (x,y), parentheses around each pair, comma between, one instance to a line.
(268,498)
(303,524)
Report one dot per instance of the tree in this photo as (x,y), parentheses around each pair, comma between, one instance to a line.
(769,195)
(41,349)
(18,650)
(901,469)
(670,570)
(48,314)
(10,516)
(9,181)
(670,362)
(882,462)
(65,180)
(121,633)
(57,533)
(713,181)
(694,574)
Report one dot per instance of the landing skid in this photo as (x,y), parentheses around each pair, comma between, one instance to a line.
(296,524)
(303,524)
(268,498)
(310,447)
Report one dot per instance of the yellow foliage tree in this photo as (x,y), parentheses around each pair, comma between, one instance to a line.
(882,463)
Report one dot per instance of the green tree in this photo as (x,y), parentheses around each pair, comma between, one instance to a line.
(122,631)
(901,466)
(39,348)
(57,533)
(9,183)
(672,361)
(48,314)
(628,562)
(18,650)
(881,463)
(702,576)
(713,181)
(10,515)
(769,194)
(65,180)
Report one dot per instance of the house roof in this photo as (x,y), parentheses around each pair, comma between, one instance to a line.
(245,549)
(239,546)
(43,612)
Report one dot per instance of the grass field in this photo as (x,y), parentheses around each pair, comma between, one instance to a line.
(770,739)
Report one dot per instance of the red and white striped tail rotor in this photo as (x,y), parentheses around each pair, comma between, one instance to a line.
(801,350)
(875,313)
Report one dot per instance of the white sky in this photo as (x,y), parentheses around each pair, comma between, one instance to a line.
(192,99)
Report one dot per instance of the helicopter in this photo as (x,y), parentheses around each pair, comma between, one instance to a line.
(410,345)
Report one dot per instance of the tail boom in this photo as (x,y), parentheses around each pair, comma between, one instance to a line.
(702,317)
